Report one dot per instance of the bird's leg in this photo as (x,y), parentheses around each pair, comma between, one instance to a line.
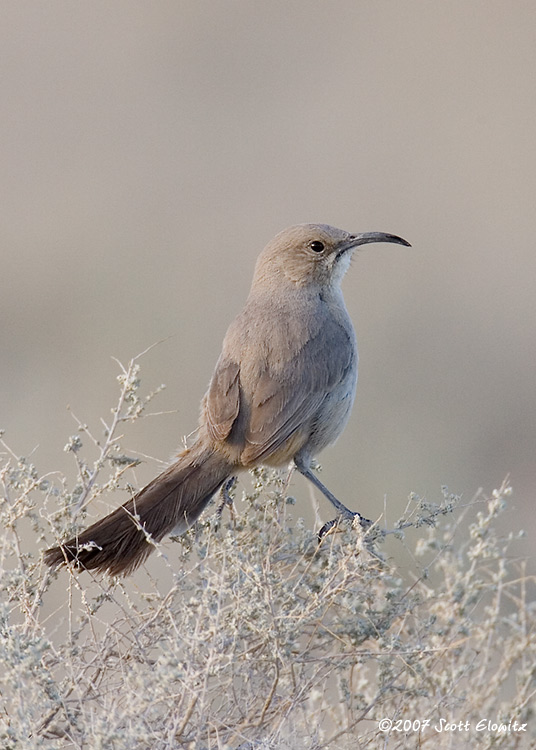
(226,499)
(344,512)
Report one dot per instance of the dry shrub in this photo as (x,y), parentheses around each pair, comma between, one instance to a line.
(254,635)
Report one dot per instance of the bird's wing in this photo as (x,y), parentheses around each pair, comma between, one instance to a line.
(276,398)
(284,400)
(223,399)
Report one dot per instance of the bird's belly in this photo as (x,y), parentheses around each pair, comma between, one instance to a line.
(330,422)
(320,431)
(283,455)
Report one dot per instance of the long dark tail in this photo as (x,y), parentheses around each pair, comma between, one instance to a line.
(120,542)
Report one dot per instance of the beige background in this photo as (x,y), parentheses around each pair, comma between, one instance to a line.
(150,149)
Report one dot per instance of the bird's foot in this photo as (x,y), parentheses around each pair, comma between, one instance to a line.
(225,492)
(348,515)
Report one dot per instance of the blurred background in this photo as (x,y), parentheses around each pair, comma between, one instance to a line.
(150,150)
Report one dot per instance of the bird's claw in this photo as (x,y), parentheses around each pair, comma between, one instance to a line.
(226,499)
(350,516)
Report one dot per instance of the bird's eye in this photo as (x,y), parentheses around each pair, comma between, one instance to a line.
(316,246)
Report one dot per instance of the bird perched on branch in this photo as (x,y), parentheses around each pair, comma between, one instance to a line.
(281,392)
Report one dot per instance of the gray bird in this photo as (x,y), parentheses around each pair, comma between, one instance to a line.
(281,392)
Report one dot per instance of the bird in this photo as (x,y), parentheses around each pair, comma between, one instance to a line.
(282,391)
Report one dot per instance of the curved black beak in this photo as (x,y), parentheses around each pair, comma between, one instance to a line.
(366,237)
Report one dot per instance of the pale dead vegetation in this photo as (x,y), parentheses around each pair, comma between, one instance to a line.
(248,634)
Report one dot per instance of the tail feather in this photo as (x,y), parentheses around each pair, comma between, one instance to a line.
(120,542)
